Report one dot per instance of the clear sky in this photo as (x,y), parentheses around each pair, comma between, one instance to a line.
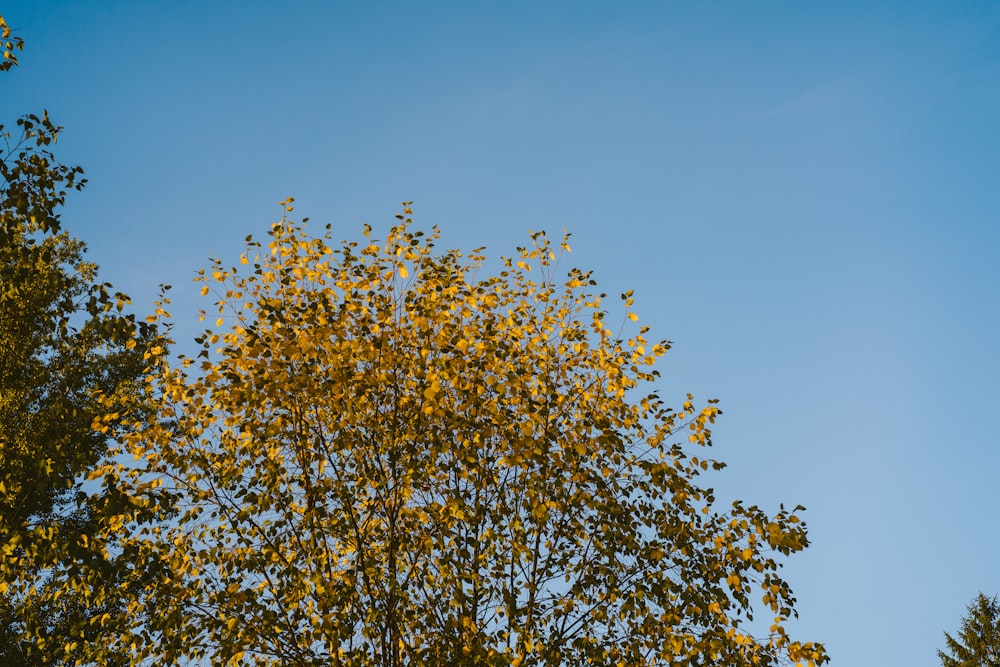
(803,195)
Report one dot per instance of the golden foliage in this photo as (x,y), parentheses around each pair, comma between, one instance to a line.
(380,457)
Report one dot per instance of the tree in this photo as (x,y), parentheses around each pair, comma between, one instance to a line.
(64,341)
(380,458)
(978,642)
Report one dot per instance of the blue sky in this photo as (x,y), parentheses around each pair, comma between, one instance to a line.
(803,196)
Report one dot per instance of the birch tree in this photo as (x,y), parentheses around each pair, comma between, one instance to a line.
(385,454)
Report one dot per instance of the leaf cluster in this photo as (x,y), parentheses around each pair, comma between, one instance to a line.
(11,44)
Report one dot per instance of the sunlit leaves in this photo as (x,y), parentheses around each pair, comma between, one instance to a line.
(10,45)
(383,457)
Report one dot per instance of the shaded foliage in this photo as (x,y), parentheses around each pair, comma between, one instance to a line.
(64,342)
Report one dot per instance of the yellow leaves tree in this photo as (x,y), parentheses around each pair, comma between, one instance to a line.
(384,455)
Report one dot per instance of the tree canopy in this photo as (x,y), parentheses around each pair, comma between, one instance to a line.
(64,342)
(978,640)
(383,455)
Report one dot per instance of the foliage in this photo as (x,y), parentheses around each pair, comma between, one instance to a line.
(11,44)
(978,642)
(63,341)
(380,458)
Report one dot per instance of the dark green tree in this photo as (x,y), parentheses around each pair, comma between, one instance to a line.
(68,351)
(978,641)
